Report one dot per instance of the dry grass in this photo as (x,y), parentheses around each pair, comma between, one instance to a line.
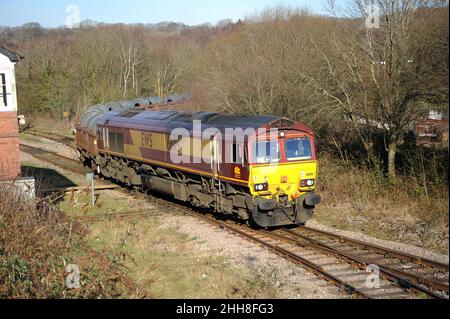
(405,210)
(169,264)
(36,245)
(48,124)
(164,262)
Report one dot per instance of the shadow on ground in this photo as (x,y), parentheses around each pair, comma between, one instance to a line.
(46,179)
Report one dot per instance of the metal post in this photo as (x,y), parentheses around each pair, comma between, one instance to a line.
(93,192)
(90,178)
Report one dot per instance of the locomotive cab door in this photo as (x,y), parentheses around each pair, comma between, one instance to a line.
(215,170)
(215,157)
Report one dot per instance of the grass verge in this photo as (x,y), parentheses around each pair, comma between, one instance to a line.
(359,199)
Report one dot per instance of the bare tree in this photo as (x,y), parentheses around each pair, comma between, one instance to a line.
(130,60)
(173,67)
(261,69)
(379,80)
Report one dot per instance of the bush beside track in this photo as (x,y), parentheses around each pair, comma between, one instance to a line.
(37,244)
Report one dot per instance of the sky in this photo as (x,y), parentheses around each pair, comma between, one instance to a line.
(54,13)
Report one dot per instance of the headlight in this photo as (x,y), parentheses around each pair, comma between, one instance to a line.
(308,183)
(261,187)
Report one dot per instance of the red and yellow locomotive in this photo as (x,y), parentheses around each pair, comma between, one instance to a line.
(260,168)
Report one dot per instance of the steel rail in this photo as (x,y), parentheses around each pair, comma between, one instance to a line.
(403,279)
(38,153)
(113,216)
(66,140)
(79,189)
(37,131)
(380,249)
(245,233)
(316,269)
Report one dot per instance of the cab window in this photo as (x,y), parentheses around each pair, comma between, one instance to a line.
(298,149)
(266,152)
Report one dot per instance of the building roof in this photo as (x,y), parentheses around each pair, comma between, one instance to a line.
(12,56)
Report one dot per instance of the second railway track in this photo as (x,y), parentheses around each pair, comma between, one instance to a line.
(432,282)
(419,270)
(342,268)
(66,140)
(54,159)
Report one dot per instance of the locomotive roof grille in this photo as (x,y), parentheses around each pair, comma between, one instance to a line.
(159,115)
(208,118)
(130,113)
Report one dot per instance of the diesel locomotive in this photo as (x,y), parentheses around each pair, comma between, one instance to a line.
(261,169)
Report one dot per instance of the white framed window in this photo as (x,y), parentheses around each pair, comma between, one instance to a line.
(3,94)
(266,152)
(237,153)
(298,149)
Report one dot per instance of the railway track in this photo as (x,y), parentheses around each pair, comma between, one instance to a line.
(285,242)
(119,216)
(343,268)
(54,159)
(404,257)
(66,140)
(332,267)
(259,238)
(432,282)
(422,271)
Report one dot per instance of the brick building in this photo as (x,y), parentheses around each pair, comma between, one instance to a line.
(9,131)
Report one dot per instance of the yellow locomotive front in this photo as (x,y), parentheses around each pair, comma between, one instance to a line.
(283,178)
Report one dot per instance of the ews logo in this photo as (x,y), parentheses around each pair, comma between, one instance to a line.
(147,140)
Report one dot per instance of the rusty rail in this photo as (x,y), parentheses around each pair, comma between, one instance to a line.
(406,280)
(78,189)
(66,140)
(115,216)
(381,250)
(54,159)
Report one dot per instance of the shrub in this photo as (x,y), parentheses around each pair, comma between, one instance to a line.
(37,244)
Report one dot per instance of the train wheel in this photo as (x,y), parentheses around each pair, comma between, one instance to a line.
(252,224)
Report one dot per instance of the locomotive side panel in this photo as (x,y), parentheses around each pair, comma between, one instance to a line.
(86,142)
(154,148)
